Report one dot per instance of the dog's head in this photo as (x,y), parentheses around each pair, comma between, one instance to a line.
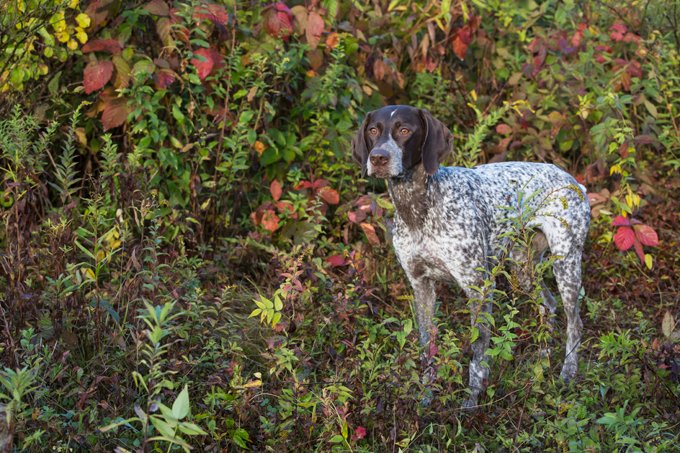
(396,138)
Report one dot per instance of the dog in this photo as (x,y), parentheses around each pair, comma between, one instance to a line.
(452,223)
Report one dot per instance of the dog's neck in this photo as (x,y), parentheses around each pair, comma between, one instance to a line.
(409,195)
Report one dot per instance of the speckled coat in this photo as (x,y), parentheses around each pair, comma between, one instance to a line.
(451,223)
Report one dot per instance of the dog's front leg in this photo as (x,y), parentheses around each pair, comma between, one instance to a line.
(424,297)
(424,300)
(479,366)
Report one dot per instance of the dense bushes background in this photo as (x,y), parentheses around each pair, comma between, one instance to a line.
(170,168)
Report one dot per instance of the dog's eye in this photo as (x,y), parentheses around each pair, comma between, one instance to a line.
(373,131)
(404,131)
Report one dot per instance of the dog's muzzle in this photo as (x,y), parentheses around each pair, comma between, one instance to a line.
(379,157)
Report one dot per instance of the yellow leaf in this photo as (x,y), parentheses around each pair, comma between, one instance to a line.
(83,20)
(649,261)
(58,22)
(81,136)
(73,4)
(81,35)
(616,168)
(62,36)
(88,273)
(473,95)
(253,384)
(72,44)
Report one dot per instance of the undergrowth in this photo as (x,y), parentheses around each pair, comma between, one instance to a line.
(190,260)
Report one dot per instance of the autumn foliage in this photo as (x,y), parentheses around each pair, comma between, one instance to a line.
(189,258)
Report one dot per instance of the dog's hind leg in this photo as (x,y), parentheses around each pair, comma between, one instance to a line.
(568,275)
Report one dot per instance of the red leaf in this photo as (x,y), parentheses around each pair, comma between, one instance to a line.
(624,238)
(303,185)
(96,75)
(646,235)
(617,31)
(270,221)
(278,20)
(639,251)
(164,78)
(356,216)
(503,129)
(275,189)
(115,113)
(459,47)
(211,59)
(379,69)
(432,349)
(336,260)
(620,220)
(319,183)
(329,195)
(314,29)
(370,233)
(215,13)
(461,41)
(359,433)
(157,8)
(286,207)
(111,46)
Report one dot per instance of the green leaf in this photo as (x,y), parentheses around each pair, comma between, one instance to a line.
(240,437)
(180,408)
(191,429)
(174,440)
(276,318)
(474,334)
(163,427)
(337,439)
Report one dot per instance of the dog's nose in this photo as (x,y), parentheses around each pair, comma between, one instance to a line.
(379,157)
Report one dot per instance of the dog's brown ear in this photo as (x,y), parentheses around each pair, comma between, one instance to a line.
(437,142)
(359,148)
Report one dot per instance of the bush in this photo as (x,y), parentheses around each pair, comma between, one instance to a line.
(173,168)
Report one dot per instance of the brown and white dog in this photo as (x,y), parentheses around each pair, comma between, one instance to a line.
(451,223)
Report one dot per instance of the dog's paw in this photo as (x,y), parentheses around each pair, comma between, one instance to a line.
(569,371)
(470,404)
